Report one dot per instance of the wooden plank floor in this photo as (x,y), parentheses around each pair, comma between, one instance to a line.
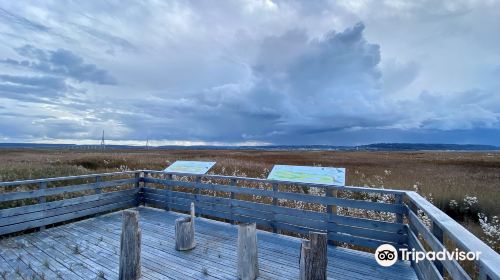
(89,249)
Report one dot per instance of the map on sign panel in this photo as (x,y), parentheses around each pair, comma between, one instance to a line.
(193,167)
(308,174)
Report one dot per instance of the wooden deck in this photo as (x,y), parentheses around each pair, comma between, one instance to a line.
(89,249)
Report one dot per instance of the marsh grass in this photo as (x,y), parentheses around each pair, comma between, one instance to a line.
(443,176)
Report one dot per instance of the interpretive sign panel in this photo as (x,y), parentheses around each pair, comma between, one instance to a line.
(308,174)
(193,167)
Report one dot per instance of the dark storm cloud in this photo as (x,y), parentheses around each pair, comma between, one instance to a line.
(273,71)
(303,85)
(300,86)
(60,62)
(32,88)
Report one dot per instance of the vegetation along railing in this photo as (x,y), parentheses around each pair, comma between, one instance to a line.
(358,217)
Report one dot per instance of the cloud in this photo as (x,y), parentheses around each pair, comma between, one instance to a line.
(22,21)
(61,62)
(107,37)
(33,88)
(457,111)
(298,86)
(289,72)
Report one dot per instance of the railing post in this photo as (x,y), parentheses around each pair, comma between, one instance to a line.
(233,197)
(412,207)
(438,233)
(399,200)
(275,203)
(137,185)
(144,176)
(42,199)
(168,197)
(138,178)
(98,179)
(483,275)
(331,210)
(197,192)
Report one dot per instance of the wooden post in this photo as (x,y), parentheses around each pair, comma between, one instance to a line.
(138,178)
(313,257)
(144,176)
(137,186)
(248,263)
(275,203)
(438,233)
(168,197)
(483,275)
(233,197)
(98,179)
(331,210)
(42,199)
(184,232)
(412,207)
(398,200)
(130,247)
(197,193)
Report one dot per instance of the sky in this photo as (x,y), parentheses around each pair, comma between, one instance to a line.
(250,72)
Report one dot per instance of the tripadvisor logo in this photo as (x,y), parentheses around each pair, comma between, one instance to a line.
(387,255)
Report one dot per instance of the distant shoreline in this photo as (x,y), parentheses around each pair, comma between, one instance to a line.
(395,147)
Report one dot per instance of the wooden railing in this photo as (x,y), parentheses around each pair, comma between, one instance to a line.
(349,215)
(441,228)
(239,203)
(49,204)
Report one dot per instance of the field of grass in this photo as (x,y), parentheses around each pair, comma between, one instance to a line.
(463,184)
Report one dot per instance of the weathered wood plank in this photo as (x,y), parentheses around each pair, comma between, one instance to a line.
(489,260)
(248,260)
(47,261)
(130,247)
(76,253)
(218,229)
(66,206)
(452,267)
(63,190)
(101,243)
(33,263)
(15,260)
(66,217)
(357,236)
(264,211)
(266,181)
(356,240)
(352,221)
(377,206)
(313,257)
(185,232)
(70,262)
(426,268)
(368,223)
(368,233)
(275,203)
(66,178)
(345,268)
